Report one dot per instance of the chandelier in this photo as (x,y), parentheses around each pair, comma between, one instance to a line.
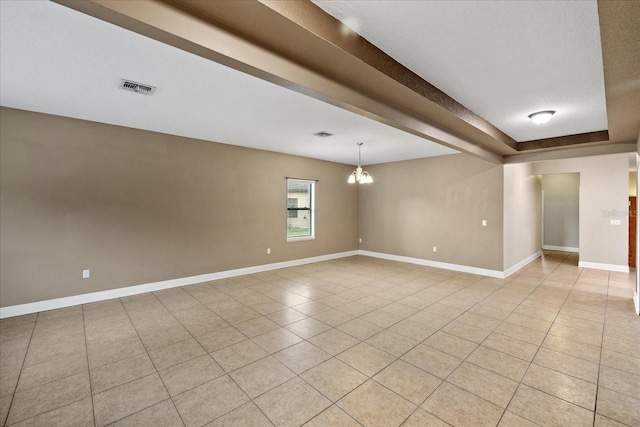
(358,175)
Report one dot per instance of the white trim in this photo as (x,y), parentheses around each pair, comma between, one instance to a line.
(437,264)
(34,307)
(636,302)
(509,271)
(599,266)
(560,248)
(300,239)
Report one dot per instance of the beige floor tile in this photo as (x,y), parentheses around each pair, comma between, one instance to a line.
(522,333)
(483,383)
(355,309)
(286,316)
(421,418)
(333,317)
(412,330)
(547,410)
(577,334)
(621,361)
(163,414)
(268,307)
(276,340)
(187,375)
(123,371)
(500,363)
(200,320)
(617,406)
(466,331)
(491,312)
(238,314)
(261,376)
(620,381)
(292,403)
(451,344)
(307,328)
(399,309)
(366,358)
(412,383)
(334,378)
(219,339)
(374,405)
(311,308)
(431,360)
(102,352)
(571,389)
(392,343)
(5,403)
(244,416)
(359,329)
(163,337)
(509,419)
(334,417)
(572,348)
(630,348)
(537,313)
(77,414)
(333,341)
(429,319)
(254,327)
(529,322)
(382,318)
(479,320)
(302,356)
(606,422)
(122,401)
(461,408)
(566,364)
(176,353)
(37,400)
(53,369)
(514,347)
(209,401)
(238,355)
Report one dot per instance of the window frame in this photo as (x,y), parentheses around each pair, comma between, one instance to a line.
(311,209)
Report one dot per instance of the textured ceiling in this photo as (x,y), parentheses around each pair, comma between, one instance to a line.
(59,61)
(502,60)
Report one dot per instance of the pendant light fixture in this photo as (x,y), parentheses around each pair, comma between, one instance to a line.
(358,175)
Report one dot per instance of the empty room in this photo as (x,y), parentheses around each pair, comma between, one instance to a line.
(319,213)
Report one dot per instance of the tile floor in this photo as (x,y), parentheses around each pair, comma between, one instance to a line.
(355,341)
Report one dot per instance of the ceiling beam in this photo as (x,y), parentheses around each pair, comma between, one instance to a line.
(563,141)
(272,51)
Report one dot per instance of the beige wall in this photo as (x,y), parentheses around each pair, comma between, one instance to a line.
(633,186)
(137,207)
(522,213)
(417,204)
(604,189)
(561,213)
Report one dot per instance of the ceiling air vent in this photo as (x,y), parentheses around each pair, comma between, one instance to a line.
(322,134)
(137,87)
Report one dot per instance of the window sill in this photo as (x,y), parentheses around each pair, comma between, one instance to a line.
(300,239)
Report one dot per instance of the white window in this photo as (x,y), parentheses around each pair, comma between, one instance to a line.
(300,209)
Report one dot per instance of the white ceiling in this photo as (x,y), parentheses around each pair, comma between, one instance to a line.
(59,61)
(503,60)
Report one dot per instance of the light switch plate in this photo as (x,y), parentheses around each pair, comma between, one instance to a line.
(616,222)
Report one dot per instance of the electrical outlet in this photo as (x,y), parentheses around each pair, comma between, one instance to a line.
(86,274)
(615,222)
(360,240)
(484,222)
(268,251)
(435,249)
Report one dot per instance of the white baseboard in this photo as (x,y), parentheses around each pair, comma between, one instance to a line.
(509,271)
(445,265)
(599,266)
(561,248)
(636,302)
(34,307)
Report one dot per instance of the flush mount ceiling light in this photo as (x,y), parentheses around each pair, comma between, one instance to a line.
(541,116)
(358,175)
